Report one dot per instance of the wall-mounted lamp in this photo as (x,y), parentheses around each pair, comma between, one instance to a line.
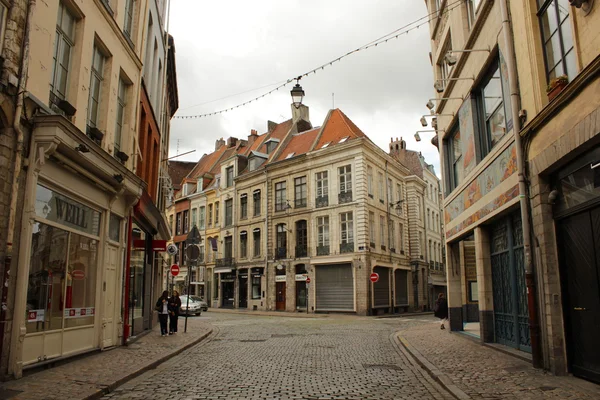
(431,105)
(288,205)
(424,121)
(585,5)
(451,59)
(118,177)
(418,137)
(439,84)
(297,93)
(82,148)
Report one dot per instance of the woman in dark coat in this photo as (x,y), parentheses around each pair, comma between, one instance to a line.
(174,306)
(440,309)
(162,306)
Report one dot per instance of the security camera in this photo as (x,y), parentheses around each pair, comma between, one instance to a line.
(430,105)
(417,137)
(423,121)
(450,59)
(439,86)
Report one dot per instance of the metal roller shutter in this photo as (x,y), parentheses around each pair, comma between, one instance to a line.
(381,288)
(401,278)
(335,287)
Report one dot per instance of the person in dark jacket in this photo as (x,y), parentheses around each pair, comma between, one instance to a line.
(440,309)
(162,306)
(174,307)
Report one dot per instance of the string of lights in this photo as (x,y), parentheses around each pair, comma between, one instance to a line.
(384,39)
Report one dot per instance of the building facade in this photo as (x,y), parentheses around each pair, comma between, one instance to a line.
(298,218)
(74,133)
(515,83)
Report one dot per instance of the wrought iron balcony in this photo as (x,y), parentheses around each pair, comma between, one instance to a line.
(301,251)
(345,197)
(347,247)
(300,203)
(225,262)
(322,250)
(322,201)
(280,253)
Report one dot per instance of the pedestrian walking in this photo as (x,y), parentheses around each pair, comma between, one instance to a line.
(440,309)
(174,307)
(162,306)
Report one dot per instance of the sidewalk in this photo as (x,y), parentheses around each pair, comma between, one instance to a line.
(298,314)
(91,376)
(472,371)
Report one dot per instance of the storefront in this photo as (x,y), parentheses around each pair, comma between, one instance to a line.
(382,289)
(227,289)
(401,290)
(334,287)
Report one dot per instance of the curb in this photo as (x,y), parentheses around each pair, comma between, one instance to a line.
(112,386)
(435,373)
(270,313)
(405,315)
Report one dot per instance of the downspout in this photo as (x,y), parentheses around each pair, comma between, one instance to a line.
(126,332)
(267,240)
(534,328)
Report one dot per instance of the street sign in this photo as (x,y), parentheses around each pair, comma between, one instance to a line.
(307,279)
(78,274)
(374,277)
(192,252)
(194,236)
(174,269)
(172,249)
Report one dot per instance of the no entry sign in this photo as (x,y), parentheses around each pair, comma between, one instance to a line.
(174,269)
(374,277)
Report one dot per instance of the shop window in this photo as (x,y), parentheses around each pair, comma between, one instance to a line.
(256,287)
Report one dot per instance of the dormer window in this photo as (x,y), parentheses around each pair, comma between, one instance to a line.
(271,145)
(199,187)
(342,140)
(290,155)
(325,145)
(185,189)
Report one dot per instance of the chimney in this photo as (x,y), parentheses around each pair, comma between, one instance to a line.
(231,142)
(300,113)
(220,142)
(253,136)
(271,126)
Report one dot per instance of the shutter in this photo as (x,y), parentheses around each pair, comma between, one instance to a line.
(335,288)
(401,284)
(381,289)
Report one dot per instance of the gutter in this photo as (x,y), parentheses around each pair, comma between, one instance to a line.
(511,64)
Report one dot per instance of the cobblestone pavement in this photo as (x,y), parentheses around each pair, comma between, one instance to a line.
(485,373)
(87,377)
(262,357)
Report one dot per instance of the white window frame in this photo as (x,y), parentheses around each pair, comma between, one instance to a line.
(323,231)
(346,228)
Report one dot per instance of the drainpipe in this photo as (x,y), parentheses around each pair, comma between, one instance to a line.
(267,241)
(126,332)
(525,216)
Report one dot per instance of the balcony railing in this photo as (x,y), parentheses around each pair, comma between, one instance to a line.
(301,251)
(225,262)
(280,253)
(345,197)
(322,201)
(299,203)
(347,247)
(322,250)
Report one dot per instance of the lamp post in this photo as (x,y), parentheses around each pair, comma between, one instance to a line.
(297,93)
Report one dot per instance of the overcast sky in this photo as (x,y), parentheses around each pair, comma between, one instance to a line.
(231,46)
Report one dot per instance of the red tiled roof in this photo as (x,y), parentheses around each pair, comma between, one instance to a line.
(337,127)
(299,144)
(206,163)
(178,170)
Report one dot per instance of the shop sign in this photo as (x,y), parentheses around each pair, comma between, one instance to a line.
(159,245)
(78,274)
(139,244)
(35,315)
(79,312)
(58,208)
(256,271)
(243,276)
(280,278)
(301,277)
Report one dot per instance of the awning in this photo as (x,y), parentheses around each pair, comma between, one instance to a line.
(436,280)
(222,270)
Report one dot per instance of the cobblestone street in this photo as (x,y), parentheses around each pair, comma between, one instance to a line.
(258,357)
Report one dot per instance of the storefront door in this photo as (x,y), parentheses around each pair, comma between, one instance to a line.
(227,290)
(579,238)
(110,296)
(243,288)
(280,296)
(335,287)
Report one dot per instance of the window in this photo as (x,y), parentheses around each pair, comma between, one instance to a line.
(210,215)
(347,227)
(323,231)
(186,222)
(389,191)
(345,176)
(372,228)
(65,40)
(194,217)
(301,238)
(114,227)
(401,237)
(178,227)
(229,212)
(216,213)
(382,230)
(243,244)
(229,176)
(300,192)
(281,241)
(280,198)
(255,286)
(421,244)
(128,23)
(244,206)
(398,193)
(392,234)
(492,108)
(472,6)
(456,174)
(201,256)
(256,199)
(444,69)
(381,187)
(256,239)
(370,181)
(202,217)
(557,38)
(121,103)
(3,15)
(322,189)
(97,77)
(428,219)
(171,222)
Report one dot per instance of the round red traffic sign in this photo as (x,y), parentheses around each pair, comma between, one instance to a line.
(174,269)
(308,279)
(374,277)
(78,274)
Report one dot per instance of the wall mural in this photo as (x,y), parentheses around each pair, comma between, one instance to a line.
(497,172)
